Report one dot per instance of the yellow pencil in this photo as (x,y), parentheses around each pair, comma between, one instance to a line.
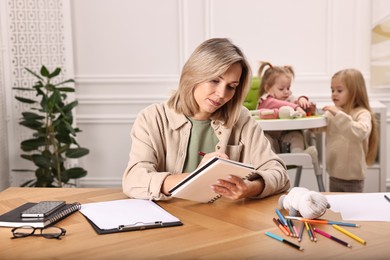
(342,230)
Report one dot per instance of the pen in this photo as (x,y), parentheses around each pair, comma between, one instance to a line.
(284,240)
(342,230)
(387,198)
(280,227)
(323,221)
(331,237)
(201,153)
(281,217)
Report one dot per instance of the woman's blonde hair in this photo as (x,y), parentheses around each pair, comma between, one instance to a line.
(271,74)
(210,60)
(358,97)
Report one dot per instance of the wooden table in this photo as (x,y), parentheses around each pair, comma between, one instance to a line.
(223,230)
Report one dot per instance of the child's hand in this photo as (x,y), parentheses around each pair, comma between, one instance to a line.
(332,109)
(303,102)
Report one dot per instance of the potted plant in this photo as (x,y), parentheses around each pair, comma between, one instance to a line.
(53,140)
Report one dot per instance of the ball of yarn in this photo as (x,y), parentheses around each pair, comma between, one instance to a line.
(309,204)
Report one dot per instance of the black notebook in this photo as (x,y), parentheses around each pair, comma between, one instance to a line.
(196,186)
(127,215)
(13,218)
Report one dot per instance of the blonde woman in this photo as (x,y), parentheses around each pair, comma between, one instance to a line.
(204,114)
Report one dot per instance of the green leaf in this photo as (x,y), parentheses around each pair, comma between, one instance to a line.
(32,124)
(50,87)
(33,73)
(65,81)
(76,172)
(70,106)
(41,161)
(32,144)
(22,170)
(32,116)
(27,156)
(54,99)
(56,72)
(77,152)
(25,100)
(45,72)
(66,89)
(24,89)
(70,128)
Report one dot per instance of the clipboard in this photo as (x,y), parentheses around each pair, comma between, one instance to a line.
(127,215)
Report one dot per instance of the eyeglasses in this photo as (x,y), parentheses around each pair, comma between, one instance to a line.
(47,232)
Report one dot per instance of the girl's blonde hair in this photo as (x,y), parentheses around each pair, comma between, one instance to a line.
(271,74)
(358,97)
(210,60)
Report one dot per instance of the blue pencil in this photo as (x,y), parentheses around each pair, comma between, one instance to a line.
(281,217)
(284,241)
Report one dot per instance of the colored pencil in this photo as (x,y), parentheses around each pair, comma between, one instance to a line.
(284,241)
(283,226)
(387,198)
(332,237)
(290,227)
(281,216)
(323,221)
(308,231)
(342,230)
(294,228)
(280,227)
(312,232)
(301,231)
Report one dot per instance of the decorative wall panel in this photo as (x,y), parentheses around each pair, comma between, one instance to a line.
(36,37)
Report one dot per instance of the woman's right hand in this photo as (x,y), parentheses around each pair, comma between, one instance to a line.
(207,157)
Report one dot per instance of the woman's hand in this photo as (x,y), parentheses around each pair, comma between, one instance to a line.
(207,157)
(235,188)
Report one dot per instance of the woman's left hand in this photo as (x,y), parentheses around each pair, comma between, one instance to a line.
(236,188)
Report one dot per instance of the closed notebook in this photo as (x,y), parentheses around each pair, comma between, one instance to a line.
(13,218)
(197,186)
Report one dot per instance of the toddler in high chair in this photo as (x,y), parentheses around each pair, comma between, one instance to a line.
(275,92)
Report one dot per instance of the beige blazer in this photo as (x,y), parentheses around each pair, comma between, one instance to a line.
(159,140)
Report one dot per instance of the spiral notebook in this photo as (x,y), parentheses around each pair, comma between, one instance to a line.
(13,218)
(196,186)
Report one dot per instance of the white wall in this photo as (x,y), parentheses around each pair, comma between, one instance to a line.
(129,53)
